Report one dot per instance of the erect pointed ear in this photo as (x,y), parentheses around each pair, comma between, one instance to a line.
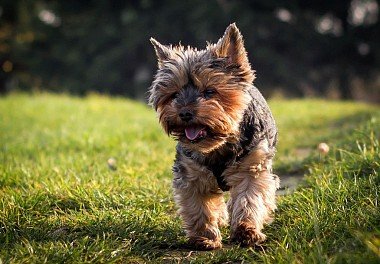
(231,45)
(162,52)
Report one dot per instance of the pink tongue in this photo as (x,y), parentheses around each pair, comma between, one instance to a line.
(193,132)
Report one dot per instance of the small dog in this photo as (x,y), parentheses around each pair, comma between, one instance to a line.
(226,138)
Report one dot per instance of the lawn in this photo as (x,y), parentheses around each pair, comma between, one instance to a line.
(61,202)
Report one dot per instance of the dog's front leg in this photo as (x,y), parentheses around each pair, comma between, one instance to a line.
(201,207)
(252,201)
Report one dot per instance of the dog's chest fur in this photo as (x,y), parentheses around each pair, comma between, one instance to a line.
(257,125)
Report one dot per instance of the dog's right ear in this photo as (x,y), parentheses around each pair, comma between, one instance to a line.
(162,51)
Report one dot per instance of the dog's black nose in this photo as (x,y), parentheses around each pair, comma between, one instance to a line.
(186,115)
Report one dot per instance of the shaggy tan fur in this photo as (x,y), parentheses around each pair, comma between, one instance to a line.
(252,200)
(252,195)
(226,140)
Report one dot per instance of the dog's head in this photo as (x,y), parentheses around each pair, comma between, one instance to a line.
(200,95)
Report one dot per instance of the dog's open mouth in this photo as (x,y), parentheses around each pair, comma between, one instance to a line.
(194,133)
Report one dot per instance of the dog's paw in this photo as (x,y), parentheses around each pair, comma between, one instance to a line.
(246,235)
(223,219)
(204,243)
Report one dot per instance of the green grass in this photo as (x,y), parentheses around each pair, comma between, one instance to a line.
(61,203)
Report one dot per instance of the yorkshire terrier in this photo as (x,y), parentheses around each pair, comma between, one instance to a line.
(226,136)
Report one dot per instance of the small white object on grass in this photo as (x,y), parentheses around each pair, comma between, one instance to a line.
(323,148)
(111,163)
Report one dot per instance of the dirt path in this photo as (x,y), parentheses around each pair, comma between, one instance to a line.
(288,183)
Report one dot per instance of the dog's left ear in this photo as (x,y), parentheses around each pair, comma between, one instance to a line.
(231,45)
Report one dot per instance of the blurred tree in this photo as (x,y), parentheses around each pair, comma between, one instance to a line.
(297,47)
(7,23)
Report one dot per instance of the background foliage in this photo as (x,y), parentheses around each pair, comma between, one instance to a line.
(298,48)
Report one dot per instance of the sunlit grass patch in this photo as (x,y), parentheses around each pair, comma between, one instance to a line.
(62,202)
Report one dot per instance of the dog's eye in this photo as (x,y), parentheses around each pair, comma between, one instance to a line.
(174,95)
(208,93)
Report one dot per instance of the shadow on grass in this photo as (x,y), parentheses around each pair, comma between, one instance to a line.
(71,221)
(142,234)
